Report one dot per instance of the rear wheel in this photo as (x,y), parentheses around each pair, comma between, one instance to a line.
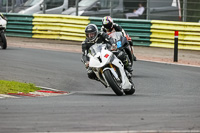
(4,42)
(112,81)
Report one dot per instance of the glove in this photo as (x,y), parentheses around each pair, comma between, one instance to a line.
(87,64)
(114,47)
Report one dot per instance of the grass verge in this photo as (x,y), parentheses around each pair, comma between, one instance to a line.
(15,87)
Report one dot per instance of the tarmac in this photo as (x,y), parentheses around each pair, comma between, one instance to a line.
(154,54)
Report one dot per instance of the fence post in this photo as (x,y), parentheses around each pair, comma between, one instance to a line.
(148,9)
(6,6)
(184,10)
(13,6)
(111,8)
(176,46)
(44,7)
(77,7)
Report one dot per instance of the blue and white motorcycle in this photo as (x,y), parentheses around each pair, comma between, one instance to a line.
(110,70)
(3,41)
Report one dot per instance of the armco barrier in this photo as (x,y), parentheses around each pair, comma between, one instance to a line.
(64,27)
(19,25)
(163,34)
(138,30)
(143,32)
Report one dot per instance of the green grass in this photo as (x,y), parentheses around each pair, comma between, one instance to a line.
(15,87)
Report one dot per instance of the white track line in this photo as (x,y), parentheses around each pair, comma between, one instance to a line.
(137,131)
(47,88)
(7,96)
(170,63)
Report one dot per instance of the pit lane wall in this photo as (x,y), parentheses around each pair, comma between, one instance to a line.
(152,33)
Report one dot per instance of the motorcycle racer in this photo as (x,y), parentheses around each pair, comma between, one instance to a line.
(94,36)
(108,26)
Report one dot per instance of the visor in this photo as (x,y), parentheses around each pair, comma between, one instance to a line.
(91,35)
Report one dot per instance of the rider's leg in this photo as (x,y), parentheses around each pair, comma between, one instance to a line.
(125,60)
(91,74)
(127,64)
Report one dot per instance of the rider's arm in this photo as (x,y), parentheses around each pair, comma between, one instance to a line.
(111,43)
(107,38)
(103,29)
(123,32)
(84,58)
(119,28)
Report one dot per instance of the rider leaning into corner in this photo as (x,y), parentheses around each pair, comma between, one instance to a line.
(92,37)
(109,26)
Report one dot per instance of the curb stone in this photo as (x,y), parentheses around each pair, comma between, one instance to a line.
(44,92)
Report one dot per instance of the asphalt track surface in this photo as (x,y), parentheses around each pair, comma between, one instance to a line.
(166,98)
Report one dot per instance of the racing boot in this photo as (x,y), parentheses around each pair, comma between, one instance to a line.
(125,60)
(127,65)
(91,74)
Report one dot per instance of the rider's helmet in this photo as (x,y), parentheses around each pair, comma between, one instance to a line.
(91,32)
(107,22)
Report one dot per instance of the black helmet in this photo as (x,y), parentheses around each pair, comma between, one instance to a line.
(91,32)
(107,22)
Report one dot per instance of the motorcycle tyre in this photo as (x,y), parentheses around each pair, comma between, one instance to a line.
(112,82)
(4,42)
(131,91)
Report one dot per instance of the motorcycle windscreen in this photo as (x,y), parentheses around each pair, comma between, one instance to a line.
(100,55)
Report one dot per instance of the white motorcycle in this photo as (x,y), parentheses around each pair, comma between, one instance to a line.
(3,41)
(109,70)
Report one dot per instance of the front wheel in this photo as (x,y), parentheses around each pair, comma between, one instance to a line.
(112,81)
(4,42)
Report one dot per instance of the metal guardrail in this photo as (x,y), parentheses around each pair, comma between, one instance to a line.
(63,27)
(19,25)
(138,30)
(143,32)
(163,34)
